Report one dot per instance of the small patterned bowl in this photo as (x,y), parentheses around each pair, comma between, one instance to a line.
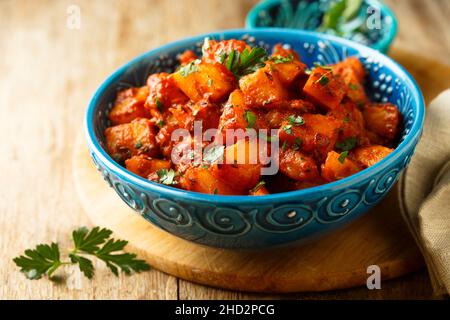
(307,15)
(260,222)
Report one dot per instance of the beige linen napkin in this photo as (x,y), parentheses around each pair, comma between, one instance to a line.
(424,193)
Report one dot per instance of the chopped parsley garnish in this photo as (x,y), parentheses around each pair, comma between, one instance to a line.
(258,186)
(214,153)
(138,144)
(347,145)
(250,117)
(288,128)
(216,191)
(318,65)
(323,80)
(283,147)
(159,105)
(295,120)
(46,259)
(160,123)
(353,86)
(280,59)
(191,67)
(166,176)
(346,120)
(297,144)
(210,82)
(343,156)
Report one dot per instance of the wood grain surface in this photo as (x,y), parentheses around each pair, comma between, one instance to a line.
(48,73)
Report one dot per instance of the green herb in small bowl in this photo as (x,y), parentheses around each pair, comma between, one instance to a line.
(369,22)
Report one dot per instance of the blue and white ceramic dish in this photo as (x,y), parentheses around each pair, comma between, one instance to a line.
(259,222)
(307,15)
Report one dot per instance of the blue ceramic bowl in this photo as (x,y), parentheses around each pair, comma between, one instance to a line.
(259,222)
(307,15)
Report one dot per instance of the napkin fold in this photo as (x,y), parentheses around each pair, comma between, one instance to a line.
(424,193)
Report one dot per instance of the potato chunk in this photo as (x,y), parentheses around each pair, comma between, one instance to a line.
(236,115)
(383,119)
(126,140)
(324,88)
(199,80)
(298,166)
(288,72)
(280,50)
(316,136)
(368,156)
(207,113)
(355,89)
(263,88)
(241,168)
(353,63)
(200,179)
(143,165)
(352,124)
(129,105)
(337,167)
(163,93)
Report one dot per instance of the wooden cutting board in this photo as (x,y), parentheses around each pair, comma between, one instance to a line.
(337,261)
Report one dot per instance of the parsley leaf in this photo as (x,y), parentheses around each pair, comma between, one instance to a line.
(250,117)
(280,59)
(323,80)
(127,262)
(318,65)
(347,145)
(288,128)
(45,259)
(159,105)
(353,86)
(297,145)
(241,64)
(343,156)
(295,120)
(191,67)
(166,176)
(258,186)
(84,264)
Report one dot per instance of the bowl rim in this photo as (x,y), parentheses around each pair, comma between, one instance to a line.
(382,45)
(180,194)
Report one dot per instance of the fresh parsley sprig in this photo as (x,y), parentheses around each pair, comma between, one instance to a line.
(45,259)
(241,64)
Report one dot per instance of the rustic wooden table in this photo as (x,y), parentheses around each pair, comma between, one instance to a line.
(48,73)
